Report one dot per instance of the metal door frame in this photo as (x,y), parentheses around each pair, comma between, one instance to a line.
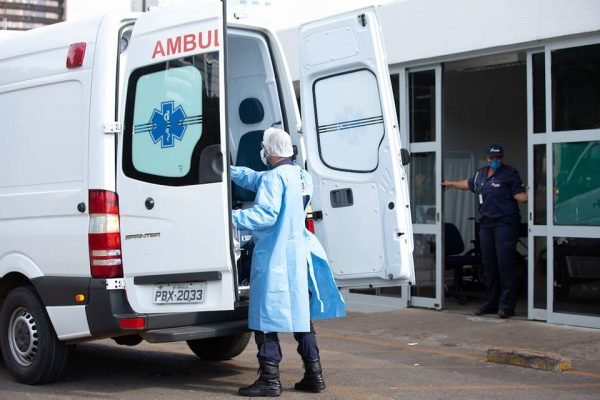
(426,147)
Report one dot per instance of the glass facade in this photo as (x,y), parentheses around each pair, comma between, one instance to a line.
(539,92)
(539,184)
(422,106)
(422,188)
(576,88)
(424,257)
(540,273)
(576,177)
(577,275)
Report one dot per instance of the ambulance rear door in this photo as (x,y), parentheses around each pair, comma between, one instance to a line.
(360,202)
(173,193)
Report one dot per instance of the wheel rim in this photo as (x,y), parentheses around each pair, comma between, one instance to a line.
(23,337)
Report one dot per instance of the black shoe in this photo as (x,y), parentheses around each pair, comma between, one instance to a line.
(267,385)
(313,377)
(505,314)
(482,311)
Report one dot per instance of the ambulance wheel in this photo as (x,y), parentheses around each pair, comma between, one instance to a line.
(32,352)
(220,348)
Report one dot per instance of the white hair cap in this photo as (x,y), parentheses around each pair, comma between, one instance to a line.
(277,143)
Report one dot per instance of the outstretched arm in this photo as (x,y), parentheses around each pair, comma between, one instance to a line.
(267,205)
(462,185)
(246,178)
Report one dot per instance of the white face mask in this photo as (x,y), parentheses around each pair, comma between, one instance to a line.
(263,157)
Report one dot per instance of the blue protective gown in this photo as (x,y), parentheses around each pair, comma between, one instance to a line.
(283,262)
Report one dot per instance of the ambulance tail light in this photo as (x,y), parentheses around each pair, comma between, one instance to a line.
(132,323)
(76,55)
(309,222)
(104,236)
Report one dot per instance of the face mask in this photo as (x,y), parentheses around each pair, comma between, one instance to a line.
(263,157)
(495,164)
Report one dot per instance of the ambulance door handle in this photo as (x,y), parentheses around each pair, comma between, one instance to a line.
(149,203)
(341,198)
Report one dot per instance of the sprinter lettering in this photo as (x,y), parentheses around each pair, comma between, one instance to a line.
(186,43)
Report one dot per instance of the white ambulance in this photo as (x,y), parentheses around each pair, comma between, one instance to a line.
(117,133)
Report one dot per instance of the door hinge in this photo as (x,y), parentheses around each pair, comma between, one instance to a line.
(115,284)
(112,128)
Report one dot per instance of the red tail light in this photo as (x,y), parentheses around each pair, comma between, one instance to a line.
(104,235)
(310,224)
(76,55)
(132,323)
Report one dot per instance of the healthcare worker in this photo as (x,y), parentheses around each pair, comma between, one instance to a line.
(284,262)
(499,189)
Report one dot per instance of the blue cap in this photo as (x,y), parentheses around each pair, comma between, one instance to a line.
(495,150)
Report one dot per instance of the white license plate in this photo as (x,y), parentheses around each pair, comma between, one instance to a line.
(179,293)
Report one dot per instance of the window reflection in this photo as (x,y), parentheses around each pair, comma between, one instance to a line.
(540,273)
(577,183)
(424,257)
(539,184)
(576,88)
(422,106)
(422,188)
(395,78)
(577,275)
(539,92)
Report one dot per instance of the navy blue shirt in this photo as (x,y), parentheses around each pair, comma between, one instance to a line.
(495,195)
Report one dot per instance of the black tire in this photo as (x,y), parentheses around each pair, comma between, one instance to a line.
(220,348)
(32,353)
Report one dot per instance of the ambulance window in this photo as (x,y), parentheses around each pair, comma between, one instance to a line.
(349,121)
(172,117)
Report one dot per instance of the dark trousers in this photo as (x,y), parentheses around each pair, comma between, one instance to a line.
(270,350)
(498,255)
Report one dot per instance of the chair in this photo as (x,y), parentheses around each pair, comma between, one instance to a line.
(248,155)
(467,265)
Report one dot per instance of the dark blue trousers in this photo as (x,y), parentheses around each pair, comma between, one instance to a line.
(270,350)
(499,258)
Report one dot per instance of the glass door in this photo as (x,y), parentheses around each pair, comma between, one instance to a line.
(564,155)
(421,121)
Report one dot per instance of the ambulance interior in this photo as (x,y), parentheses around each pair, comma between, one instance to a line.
(253,106)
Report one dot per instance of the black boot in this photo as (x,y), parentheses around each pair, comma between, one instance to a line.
(267,385)
(313,377)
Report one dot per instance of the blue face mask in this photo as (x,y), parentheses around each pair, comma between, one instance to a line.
(495,164)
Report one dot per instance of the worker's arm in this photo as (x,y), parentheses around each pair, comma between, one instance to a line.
(521,197)
(246,177)
(462,185)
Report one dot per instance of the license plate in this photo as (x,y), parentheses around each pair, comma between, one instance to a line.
(179,293)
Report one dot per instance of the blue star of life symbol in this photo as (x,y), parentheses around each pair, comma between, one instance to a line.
(167,124)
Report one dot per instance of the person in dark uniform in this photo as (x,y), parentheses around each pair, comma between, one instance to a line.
(499,189)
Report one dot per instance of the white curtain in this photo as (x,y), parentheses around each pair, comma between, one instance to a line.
(459,205)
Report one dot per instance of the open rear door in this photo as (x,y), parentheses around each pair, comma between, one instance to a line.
(172,191)
(352,141)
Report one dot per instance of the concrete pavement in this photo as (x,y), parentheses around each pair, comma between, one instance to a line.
(404,354)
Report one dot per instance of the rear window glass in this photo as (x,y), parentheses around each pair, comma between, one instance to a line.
(349,120)
(172,117)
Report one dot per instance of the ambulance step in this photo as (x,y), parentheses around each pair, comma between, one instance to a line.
(195,331)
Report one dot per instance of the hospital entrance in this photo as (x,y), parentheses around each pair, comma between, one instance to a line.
(483,103)
(541,105)
(452,112)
